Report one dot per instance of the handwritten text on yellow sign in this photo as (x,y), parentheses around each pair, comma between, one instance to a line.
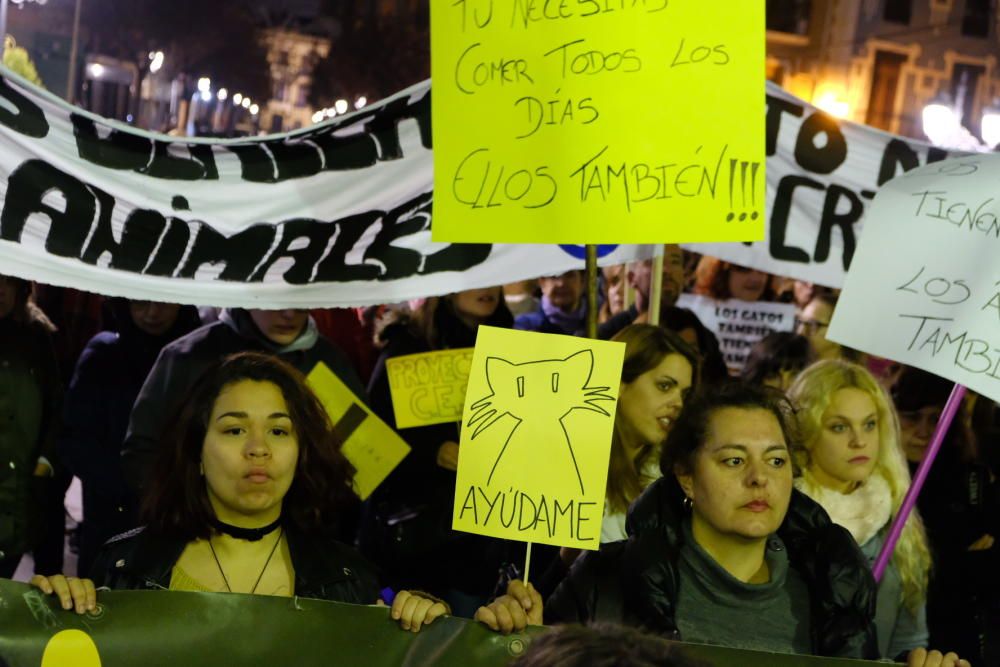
(598,121)
(429,388)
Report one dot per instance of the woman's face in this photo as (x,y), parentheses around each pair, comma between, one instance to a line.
(846,451)
(740,482)
(649,404)
(916,429)
(249,453)
(477,304)
(746,284)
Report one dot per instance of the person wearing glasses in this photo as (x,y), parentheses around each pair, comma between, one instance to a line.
(814,323)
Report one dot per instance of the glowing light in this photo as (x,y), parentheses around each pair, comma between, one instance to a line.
(156,58)
(204,83)
(360,102)
(206,95)
(991,126)
(833,105)
(238,99)
(940,120)
(340,106)
(245,103)
(96,70)
(318,116)
(223,94)
(254,109)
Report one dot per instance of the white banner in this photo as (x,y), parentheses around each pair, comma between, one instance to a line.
(821,176)
(739,324)
(925,285)
(335,215)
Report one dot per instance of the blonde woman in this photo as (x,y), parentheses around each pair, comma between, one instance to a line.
(856,470)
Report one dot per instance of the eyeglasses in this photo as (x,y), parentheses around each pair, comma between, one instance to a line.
(810,326)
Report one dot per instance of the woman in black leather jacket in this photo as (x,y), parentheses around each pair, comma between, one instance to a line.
(723,550)
(247,492)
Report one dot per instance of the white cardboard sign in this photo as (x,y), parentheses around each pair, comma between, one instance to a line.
(739,324)
(924,288)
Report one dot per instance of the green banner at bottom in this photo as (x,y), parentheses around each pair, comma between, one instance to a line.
(166,629)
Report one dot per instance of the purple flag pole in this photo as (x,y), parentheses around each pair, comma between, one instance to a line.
(950,408)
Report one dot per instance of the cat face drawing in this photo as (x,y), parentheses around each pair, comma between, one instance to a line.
(538,396)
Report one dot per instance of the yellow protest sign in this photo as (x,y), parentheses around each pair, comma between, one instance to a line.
(369,443)
(536,437)
(429,388)
(598,121)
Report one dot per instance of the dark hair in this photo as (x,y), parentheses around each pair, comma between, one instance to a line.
(777,351)
(915,389)
(646,346)
(602,645)
(713,365)
(690,430)
(177,504)
(435,321)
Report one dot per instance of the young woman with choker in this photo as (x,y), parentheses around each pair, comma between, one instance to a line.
(245,500)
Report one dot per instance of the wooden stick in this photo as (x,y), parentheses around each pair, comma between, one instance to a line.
(527,565)
(656,289)
(592,291)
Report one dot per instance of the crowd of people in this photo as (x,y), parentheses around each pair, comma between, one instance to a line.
(743,511)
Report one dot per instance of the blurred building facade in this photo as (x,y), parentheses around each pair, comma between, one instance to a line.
(880,62)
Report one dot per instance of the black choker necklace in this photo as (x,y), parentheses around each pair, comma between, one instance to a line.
(249,534)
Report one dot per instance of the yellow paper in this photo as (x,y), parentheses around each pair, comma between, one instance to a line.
(429,388)
(598,121)
(369,443)
(536,437)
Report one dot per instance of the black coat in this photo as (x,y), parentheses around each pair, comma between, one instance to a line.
(29,396)
(406,524)
(106,381)
(636,581)
(324,568)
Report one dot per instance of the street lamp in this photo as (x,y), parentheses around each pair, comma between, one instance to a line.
(340,106)
(939,119)
(991,125)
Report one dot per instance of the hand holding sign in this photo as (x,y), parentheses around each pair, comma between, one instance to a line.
(536,437)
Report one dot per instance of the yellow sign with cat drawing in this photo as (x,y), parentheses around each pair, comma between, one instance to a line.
(536,437)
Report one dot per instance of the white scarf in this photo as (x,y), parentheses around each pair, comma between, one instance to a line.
(864,512)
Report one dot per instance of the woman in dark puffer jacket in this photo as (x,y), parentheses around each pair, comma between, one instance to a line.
(723,550)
